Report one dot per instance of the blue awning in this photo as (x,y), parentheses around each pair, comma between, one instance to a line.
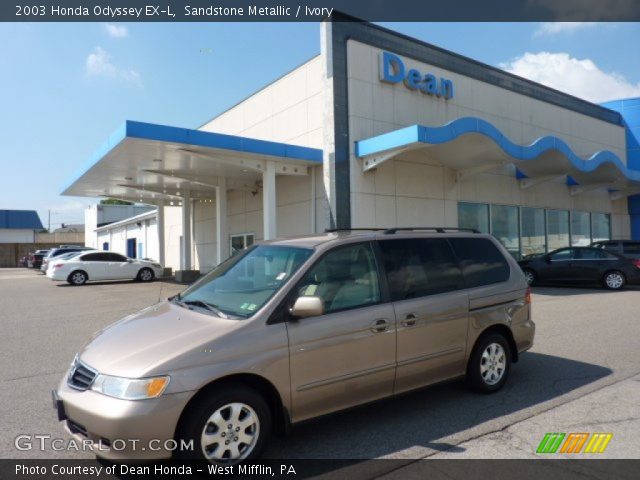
(20,219)
(143,160)
(471,142)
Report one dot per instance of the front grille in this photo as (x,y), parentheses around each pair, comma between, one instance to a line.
(81,377)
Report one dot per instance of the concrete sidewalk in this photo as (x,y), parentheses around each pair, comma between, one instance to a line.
(612,409)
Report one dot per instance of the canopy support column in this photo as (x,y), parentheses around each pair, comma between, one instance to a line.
(222,242)
(160,228)
(186,231)
(269,200)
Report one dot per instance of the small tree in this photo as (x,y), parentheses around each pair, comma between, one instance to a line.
(114,201)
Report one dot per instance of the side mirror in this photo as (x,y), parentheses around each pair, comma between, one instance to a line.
(547,258)
(307,307)
(129,260)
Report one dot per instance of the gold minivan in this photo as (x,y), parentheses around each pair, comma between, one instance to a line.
(291,329)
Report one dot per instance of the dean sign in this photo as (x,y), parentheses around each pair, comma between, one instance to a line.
(393,70)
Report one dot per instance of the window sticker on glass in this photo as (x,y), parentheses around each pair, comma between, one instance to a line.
(281,276)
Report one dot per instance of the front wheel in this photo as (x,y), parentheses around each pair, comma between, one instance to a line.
(490,363)
(614,280)
(145,275)
(227,427)
(529,275)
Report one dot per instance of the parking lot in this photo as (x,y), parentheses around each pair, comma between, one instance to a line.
(583,375)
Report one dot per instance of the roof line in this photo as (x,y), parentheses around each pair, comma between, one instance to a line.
(255,92)
(119,223)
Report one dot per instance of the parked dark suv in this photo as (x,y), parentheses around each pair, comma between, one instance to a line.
(628,248)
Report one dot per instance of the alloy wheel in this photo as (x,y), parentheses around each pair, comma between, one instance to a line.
(614,280)
(493,363)
(230,434)
(78,278)
(529,276)
(146,275)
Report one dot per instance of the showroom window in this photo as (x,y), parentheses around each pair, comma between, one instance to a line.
(241,241)
(474,215)
(557,229)
(533,231)
(600,226)
(580,229)
(505,227)
(528,230)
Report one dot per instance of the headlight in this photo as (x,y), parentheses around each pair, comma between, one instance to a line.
(130,388)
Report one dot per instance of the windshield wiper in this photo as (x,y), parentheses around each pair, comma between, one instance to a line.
(209,306)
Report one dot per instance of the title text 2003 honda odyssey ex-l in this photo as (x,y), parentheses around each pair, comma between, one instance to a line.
(292,329)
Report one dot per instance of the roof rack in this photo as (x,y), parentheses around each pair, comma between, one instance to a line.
(333,230)
(390,231)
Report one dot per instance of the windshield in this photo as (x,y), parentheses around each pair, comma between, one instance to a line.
(241,285)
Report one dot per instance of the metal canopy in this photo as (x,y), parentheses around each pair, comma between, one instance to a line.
(472,145)
(150,163)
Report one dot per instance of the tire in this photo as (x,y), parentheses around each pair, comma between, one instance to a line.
(487,372)
(253,411)
(77,278)
(614,280)
(530,275)
(145,275)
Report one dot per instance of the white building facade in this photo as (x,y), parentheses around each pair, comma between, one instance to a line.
(380,130)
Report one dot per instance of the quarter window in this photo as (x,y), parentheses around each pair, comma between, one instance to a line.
(481,261)
(418,267)
(344,278)
(565,254)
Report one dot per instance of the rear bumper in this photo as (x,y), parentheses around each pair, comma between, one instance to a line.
(58,276)
(121,430)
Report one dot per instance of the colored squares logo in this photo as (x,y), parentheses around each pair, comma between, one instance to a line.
(574,442)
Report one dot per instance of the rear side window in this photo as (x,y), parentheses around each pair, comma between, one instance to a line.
(481,261)
(95,257)
(417,267)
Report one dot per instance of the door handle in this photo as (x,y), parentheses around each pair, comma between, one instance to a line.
(379,326)
(409,320)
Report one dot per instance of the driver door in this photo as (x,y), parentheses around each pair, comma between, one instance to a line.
(558,266)
(346,356)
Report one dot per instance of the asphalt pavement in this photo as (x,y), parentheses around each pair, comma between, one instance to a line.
(581,375)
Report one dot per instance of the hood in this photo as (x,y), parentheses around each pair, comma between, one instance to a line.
(145,343)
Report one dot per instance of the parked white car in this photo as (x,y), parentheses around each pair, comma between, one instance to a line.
(100,265)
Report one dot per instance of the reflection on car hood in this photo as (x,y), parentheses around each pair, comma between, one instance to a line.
(145,342)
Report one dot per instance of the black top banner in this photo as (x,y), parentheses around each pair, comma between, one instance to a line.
(317,10)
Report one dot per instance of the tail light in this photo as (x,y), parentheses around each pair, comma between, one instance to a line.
(58,265)
(527,296)
(636,262)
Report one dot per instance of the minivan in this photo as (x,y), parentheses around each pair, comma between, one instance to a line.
(291,329)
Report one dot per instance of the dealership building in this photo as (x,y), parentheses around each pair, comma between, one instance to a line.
(381,130)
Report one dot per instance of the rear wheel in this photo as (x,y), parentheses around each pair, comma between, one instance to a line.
(145,275)
(614,280)
(78,278)
(490,363)
(227,427)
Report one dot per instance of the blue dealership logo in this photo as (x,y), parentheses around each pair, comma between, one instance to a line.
(393,70)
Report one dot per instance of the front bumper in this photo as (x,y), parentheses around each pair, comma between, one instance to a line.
(121,430)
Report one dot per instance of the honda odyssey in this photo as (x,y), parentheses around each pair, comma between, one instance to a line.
(291,329)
